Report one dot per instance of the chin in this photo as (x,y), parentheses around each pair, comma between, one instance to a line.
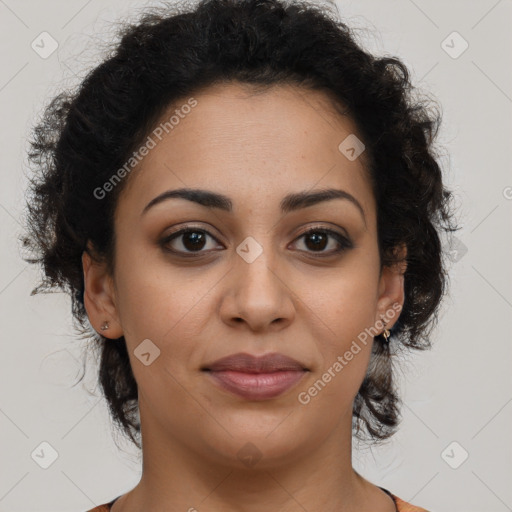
(255,446)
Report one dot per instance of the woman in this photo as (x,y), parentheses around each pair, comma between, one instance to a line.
(246,210)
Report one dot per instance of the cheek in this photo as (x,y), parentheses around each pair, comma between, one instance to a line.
(167,306)
(153,296)
(344,307)
(345,302)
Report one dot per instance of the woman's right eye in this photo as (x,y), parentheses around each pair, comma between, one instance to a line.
(187,241)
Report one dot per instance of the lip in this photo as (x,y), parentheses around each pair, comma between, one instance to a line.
(243,362)
(256,378)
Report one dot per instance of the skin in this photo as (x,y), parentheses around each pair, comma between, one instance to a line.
(255,148)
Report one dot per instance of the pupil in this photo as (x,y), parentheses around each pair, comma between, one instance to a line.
(317,240)
(196,238)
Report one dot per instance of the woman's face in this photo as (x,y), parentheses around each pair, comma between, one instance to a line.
(247,279)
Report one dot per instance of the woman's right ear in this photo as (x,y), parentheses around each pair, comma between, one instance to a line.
(99,297)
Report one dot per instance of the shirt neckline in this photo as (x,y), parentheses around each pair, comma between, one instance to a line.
(391,496)
(382,488)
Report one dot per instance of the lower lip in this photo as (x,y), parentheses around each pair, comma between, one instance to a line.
(257,386)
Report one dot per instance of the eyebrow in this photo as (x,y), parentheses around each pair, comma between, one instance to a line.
(289,203)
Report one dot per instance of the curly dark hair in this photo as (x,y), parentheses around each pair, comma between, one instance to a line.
(172,52)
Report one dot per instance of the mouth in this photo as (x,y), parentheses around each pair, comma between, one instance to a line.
(256,378)
(257,386)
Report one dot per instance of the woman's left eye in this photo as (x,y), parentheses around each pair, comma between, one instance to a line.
(316,240)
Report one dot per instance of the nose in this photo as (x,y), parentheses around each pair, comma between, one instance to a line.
(257,295)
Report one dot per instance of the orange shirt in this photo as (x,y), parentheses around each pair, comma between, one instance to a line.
(401,505)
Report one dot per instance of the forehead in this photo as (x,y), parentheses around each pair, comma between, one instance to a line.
(248,143)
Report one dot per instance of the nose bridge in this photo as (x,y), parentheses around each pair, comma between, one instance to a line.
(255,262)
(259,293)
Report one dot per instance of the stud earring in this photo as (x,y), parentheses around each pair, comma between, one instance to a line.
(105,326)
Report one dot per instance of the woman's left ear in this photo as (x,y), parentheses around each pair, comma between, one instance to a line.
(391,289)
(99,298)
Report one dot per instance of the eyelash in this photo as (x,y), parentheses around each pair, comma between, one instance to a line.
(344,242)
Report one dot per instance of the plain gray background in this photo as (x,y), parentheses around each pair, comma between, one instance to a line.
(457,397)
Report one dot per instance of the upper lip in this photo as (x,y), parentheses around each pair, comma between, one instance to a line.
(243,362)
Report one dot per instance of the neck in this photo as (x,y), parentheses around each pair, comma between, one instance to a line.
(190,477)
